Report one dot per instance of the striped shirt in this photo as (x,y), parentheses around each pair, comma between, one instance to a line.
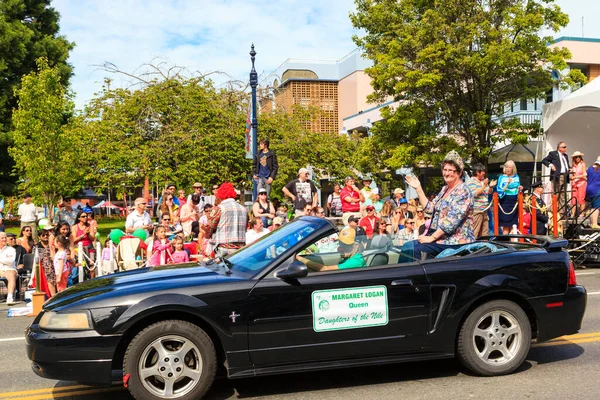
(479,202)
(228,222)
(510,189)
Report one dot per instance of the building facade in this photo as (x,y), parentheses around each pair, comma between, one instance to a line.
(585,56)
(338,88)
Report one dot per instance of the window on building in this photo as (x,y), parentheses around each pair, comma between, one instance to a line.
(523,105)
(549,96)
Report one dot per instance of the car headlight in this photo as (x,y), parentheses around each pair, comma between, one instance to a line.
(73,321)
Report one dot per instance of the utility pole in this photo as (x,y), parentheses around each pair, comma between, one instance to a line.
(253,85)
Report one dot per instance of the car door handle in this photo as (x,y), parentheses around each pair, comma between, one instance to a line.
(402,282)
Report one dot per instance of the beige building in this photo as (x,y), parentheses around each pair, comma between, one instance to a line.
(339,88)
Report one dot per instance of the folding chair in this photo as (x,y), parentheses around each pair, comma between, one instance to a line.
(130,254)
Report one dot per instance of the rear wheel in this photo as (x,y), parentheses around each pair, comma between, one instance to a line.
(170,360)
(495,338)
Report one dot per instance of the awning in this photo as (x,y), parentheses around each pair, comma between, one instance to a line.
(576,121)
(518,153)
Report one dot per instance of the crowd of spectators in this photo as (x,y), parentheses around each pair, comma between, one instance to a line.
(217,224)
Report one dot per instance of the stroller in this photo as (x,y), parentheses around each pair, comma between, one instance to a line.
(130,254)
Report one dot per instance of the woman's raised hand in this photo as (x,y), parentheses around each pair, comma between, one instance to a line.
(413,182)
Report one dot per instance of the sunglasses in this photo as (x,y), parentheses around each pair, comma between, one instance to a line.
(411,222)
(26,230)
(83,216)
(43,235)
(166,219)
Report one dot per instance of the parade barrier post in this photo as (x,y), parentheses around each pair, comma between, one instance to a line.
(80,260)
(112,257)
(555,215)
(521,222)
(98,259)
(496,219)
(38,297)
(533,213)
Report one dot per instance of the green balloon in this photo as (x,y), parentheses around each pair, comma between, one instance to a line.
(43,222)
(115,235)
(140,233)
(97,235)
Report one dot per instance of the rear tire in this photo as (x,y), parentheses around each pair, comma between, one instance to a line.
(170,360)
(495,338)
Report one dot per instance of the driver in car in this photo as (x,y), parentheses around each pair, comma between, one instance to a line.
(348,248)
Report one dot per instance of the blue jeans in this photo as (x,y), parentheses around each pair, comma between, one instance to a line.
(262,183)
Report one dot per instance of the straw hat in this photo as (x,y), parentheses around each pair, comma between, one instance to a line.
(577,154)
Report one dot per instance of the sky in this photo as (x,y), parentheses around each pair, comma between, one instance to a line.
(207,36)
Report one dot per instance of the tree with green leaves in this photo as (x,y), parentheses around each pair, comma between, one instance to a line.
(173,129)
(48,144)
(29,29)
(452,66)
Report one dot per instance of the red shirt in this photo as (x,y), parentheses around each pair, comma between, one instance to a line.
(369,225)
(347,206)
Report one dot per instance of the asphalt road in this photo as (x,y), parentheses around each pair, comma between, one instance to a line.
(562,369)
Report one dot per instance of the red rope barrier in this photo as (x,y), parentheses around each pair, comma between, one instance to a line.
(555,215)
(496,219)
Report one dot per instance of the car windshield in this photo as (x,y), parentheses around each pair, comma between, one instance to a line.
(253,258)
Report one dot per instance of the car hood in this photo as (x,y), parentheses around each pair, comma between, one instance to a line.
(129,287)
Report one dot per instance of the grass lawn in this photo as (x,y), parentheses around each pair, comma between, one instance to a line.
(104,228)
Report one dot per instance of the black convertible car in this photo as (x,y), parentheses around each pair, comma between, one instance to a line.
(165,331)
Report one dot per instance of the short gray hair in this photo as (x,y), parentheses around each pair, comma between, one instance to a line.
(510,163)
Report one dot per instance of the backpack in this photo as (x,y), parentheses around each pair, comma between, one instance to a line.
(73,273)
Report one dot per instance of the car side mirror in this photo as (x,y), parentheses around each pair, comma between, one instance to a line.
(295,270)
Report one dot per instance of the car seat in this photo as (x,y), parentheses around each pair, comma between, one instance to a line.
(377,254)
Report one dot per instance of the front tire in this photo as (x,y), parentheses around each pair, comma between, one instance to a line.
(495,338)
(170,360)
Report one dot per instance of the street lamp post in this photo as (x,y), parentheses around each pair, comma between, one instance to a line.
(253,85)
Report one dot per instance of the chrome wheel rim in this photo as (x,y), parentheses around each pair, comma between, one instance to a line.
(497,337)
(170,367)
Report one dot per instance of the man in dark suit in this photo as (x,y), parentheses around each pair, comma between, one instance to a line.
(541,214)
(558,161)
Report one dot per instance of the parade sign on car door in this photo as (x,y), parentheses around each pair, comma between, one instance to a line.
(349,308)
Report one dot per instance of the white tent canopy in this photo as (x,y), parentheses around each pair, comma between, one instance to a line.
(576,121)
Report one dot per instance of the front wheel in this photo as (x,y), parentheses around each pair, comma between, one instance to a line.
(495,338)
(170,360)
